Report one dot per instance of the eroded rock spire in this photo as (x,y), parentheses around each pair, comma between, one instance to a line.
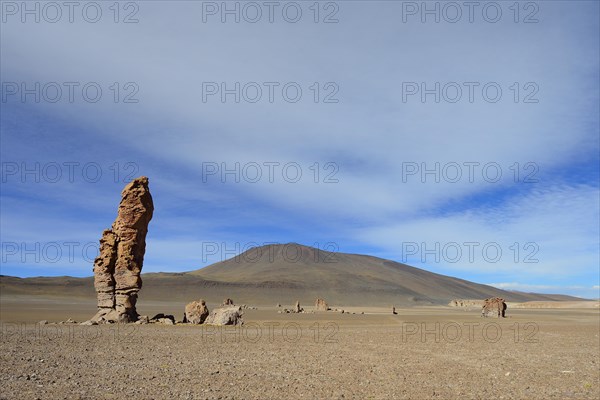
(118,267)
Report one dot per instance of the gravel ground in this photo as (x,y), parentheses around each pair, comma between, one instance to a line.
(532,355)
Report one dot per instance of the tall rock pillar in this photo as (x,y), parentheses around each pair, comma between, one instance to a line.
(118,267)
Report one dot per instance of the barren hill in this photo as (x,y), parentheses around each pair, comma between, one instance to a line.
(283,273)
(353,278)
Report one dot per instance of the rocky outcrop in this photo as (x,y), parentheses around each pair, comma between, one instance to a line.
(465,303)
(494,306)
(227,302)
(118,266)
(320,305)
(163,319)
(297,308)
(196,312)
(231,315)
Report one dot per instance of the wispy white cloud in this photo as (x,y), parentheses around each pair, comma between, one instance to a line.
(555,230)
(371,134)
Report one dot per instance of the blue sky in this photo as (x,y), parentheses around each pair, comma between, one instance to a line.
(534,227)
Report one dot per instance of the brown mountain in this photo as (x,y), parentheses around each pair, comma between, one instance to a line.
(283,273)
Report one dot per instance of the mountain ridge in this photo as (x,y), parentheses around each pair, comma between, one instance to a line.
(280,273)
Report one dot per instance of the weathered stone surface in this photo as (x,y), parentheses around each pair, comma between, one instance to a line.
(494,306)
(320,305)
(231,315)
(118,266)
(196,312)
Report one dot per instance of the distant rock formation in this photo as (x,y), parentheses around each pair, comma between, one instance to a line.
(231,315)
(227,302)
(465,303)
(320,305)
(118,267)
(196,312)
(494,306)
(297,308)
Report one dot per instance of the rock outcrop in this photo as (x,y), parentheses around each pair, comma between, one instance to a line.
(297,308)
(118,266)
(196,312)
(163,319)
(494,306)
(227,302)
(320,305)
(465,303)
(231,315)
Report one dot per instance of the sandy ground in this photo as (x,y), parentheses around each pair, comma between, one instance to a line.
(421,353)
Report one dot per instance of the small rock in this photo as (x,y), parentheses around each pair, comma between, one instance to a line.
(227,302)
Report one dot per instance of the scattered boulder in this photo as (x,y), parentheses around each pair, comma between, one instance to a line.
(142,320)
(43,322)
(163,319)
(465,303)
(118,266)
(88,323)
(227,302)
(196,312)
(494,306)
(231,315)
(278,305)
(394,310)
(321,305)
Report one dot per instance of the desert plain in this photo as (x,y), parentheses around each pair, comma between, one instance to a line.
(422,352)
